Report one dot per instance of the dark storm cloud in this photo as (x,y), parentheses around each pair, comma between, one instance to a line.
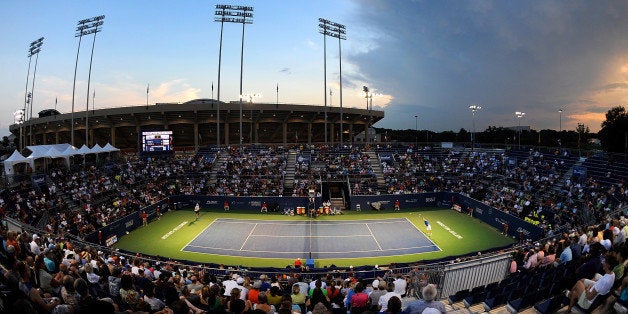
(437,57)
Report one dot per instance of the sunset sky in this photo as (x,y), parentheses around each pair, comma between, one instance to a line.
(427,58)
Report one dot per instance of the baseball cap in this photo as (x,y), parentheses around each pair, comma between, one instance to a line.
(240,280)
(375,283)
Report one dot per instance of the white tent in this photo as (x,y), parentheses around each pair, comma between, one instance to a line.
(97,149)
(84,150)
(40,150)
(70,151)
(55,153)
(110,148)
(15,158)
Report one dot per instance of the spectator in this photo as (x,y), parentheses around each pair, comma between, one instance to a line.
(429,301)
(585,291)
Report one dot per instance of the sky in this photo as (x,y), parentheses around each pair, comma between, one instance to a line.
(425,61)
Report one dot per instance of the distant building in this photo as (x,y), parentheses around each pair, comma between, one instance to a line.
(194,124)
(373,136)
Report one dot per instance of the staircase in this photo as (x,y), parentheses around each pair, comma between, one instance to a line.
(377,170)
(337,203)
(219,160)
(288,179)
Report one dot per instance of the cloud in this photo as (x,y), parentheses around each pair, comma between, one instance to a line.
(613,87)
(436,58)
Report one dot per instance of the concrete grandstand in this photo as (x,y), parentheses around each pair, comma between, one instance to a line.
(194,124)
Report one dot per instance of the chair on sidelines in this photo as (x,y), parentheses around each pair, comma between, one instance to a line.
(458,296)
(476,295)
(550,305)
(524,302)
(495,301)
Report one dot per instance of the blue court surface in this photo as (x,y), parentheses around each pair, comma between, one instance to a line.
(318,239)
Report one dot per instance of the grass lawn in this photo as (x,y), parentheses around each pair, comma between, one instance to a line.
(453,232)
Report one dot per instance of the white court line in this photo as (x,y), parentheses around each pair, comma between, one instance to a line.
(318,252)
(320,223)
(247,237)
(306,236)
(337,223)
(372,235)
(428,238)
(199,234)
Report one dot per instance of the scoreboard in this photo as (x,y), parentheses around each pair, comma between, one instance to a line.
(157,141)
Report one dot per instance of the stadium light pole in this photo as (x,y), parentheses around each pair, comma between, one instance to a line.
(251,98)
(416,131)
(365,89)
(473,108)
(336,30)
(84,27)
(560,125)
(32,96)
(231,14)
(219,17)
(96,27)
(519,116)
(34,48)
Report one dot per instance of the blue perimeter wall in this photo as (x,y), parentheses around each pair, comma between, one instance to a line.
(496,218)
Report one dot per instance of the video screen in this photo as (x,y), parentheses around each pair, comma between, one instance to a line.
(157,141)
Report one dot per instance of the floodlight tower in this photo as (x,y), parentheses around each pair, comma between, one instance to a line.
(367,95)
(34,49)
(96,27)
(233,14)
(84,27)
(519,116)
(560,125)
(473,108)
(251,98)
(336,30)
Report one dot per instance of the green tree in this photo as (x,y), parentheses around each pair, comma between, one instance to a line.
(614,132)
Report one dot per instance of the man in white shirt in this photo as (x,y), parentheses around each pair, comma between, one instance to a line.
(383,300)
(230,284)
(35,249)
(400,285)
(585,291)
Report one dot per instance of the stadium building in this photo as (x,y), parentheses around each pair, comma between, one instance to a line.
(194,124)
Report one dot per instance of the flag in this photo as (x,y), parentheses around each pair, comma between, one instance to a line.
(212,86)
(277,87)
(147,88)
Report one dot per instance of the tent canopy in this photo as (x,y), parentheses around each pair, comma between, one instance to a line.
(14,159)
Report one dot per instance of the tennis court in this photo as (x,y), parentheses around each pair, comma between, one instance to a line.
(315,239)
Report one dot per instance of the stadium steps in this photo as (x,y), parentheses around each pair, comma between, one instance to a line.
(377,169)
(288,181)
(220,159)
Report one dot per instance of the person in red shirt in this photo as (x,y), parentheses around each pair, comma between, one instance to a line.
(298,264)
(226,205)
(264,208)
(397,205)
(144,218)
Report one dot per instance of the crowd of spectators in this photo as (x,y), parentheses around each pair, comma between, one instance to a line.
(252,172)
(51,274)
(536,187)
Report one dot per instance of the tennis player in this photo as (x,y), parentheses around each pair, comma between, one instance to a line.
(428,227)
(197,210)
